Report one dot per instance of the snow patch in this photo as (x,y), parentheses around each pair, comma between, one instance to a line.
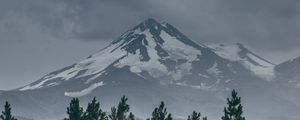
(178,50)
(153,66)
(202,86)
(94,77)
(227,81)
(259,61)
(229,52)
(52,84)
(255,64)
(214,70)
(181,84)
(135,69)
(265,72)
(201,75)
(65,75)
(84,91)
(32,87)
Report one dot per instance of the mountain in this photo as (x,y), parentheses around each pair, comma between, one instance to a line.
(159,51)
(238,53)
(155,62)
(288,72)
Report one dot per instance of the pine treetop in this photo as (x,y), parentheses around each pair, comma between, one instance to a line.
(74,110)
(94,112)
(131,116)
(123,108)
(113,114)
(194,116)
(234,110)
(121,112)
(6,114)
(160,113)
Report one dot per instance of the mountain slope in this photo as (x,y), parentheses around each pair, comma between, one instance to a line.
(158,50)
(288,72)
(238,53)
(150,63)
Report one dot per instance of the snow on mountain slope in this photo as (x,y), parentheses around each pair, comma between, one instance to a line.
(155,62)
(165,54)
(144,48)
(176,50)
(251,61)
(85,91)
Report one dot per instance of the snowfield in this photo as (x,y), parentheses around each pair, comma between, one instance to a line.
(84,91)
(238,53)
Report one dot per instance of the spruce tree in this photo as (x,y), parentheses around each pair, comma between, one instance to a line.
(131,116)
(94,112)
(169,117)
(74,111)
(196,116)
(160,113)
(113,114)
(121,112)
(6,114)
(234,110)
(123,108)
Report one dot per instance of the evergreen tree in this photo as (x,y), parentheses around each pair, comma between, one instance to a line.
(120,113)
(131,116)
(123,108)
(169,117)
(160,113)
(74,111)
(234,110)
(196,116)
(113,114)
(94,112)
(6,114)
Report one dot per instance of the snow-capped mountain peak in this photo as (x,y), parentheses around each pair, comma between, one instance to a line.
(150,47)
(164,53)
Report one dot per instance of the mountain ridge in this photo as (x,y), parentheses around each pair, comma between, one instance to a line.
(137,41)
(149,63)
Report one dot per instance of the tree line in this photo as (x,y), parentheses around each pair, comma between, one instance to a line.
(233,111)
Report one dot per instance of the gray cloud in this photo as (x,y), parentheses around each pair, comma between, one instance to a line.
(262,24)
(255,22)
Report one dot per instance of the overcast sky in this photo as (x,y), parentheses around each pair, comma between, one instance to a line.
(39,36)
